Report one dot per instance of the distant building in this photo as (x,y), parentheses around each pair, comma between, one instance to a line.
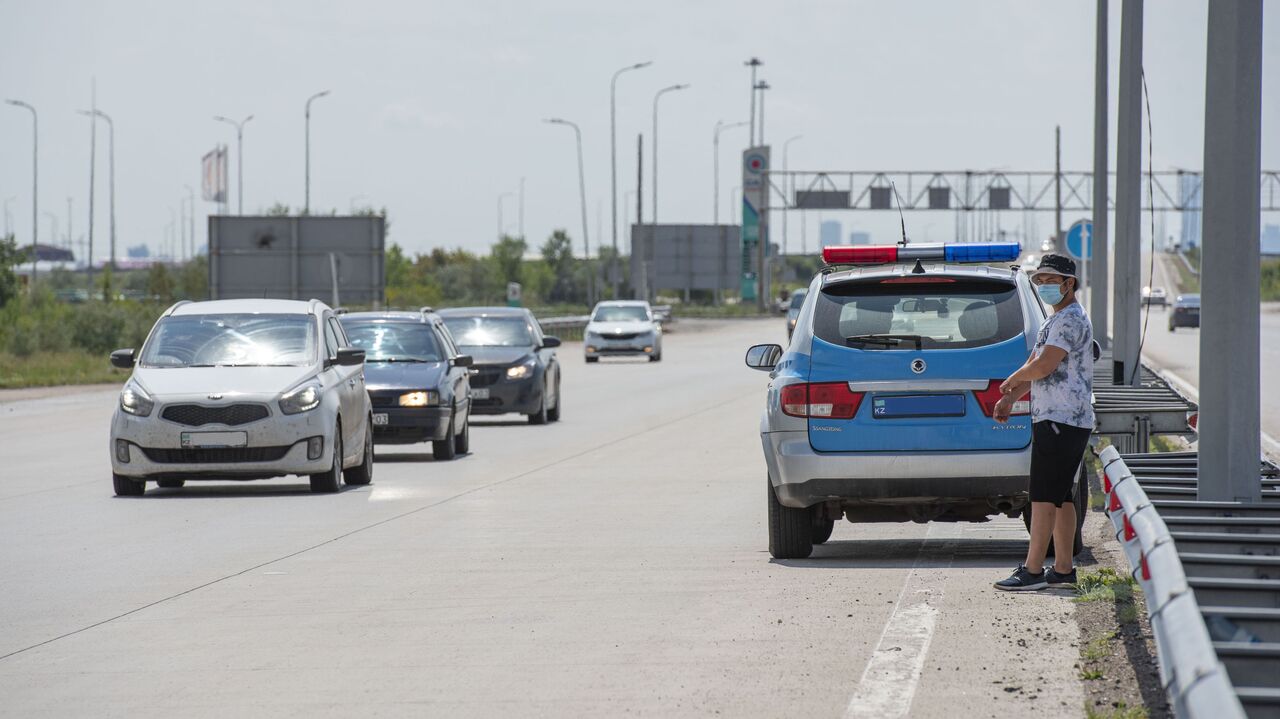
(1190,197)
(138,252)
(829,234)
(1271,240)
(859,238)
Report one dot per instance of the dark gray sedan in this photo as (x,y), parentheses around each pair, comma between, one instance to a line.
(516,369)
(1185,313)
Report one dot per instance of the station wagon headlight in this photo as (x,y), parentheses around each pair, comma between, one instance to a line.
(522,370)
(302,399)
(418,399)
(134,401)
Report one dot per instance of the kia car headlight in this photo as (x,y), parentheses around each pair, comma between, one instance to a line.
(302,399)
(522,370)
(134,401)
(424,398)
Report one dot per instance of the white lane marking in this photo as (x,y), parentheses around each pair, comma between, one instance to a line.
(889,681)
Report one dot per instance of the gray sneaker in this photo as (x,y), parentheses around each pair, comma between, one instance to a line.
(1022,580)
(1060,581)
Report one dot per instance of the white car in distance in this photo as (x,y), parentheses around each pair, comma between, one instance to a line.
(242,389)
(623,328)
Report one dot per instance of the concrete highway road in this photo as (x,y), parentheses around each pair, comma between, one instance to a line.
(613,563)
(1177,353)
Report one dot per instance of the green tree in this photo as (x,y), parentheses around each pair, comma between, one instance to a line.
(10,256)
(557,253)
(508,254)
(160,282)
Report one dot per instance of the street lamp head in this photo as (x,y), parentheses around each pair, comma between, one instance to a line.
(555,121)
(639,65)
(246,119)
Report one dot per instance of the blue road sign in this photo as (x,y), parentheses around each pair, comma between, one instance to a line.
(1080,240)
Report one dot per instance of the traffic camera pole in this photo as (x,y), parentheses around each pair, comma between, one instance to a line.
(1230,442)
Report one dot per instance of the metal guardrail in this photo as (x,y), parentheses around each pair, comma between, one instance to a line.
(1131,415)
(1187,263)
(1195,679)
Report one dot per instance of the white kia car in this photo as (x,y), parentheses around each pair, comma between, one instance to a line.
(623,328)
(242,389)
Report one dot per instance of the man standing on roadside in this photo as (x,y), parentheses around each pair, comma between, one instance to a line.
(1059,374)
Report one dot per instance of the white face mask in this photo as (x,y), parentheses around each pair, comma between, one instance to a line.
(1050,293)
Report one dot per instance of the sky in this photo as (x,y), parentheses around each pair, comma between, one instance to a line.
(436,108)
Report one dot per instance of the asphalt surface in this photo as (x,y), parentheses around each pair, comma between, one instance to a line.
(1177,354)
(613,563)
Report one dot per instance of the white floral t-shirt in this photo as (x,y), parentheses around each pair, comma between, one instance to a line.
(1065,395)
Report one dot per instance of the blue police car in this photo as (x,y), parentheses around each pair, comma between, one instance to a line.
(880,409)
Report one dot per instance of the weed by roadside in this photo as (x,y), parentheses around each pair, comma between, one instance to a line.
(1105,585)
(1120,711)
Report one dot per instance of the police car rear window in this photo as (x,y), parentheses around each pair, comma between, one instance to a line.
(903,313)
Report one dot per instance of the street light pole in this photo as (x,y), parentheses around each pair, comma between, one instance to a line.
(306,208)
(35,186)
(191,222)
(613,166)
(785,179)
(656,97)
(762,86)
(501,226)
(753,63)
(582,193)
(111,173)
(715,162)
(240,154)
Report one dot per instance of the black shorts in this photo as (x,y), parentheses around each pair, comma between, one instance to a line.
(1056,451)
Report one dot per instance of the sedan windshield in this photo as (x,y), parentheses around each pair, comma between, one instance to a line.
(235,340)
(393,341)
(621,313)
(489,331)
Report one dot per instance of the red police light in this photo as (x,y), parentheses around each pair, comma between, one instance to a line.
(866,255)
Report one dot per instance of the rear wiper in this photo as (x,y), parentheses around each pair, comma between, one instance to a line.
(887,340)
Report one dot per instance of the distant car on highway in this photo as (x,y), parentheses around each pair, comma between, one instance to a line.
(1046,246)
(1030,262)
(242,389)
(881,409)
(418,380)
(793,310)
(622,328)
(1186,312)
(1155,296)
(516,368)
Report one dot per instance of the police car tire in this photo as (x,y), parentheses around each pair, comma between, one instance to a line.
(170,483)
(790,530)
(822,529)
(127,486)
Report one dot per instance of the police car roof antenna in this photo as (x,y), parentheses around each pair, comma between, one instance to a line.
(919,268)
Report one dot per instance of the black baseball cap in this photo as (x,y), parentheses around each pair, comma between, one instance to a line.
(1053,264)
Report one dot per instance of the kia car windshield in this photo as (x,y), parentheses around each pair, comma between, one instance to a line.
(489,331)
(623,313)
(394,341)
(232,340)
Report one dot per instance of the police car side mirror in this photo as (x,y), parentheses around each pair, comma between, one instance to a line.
(764,357)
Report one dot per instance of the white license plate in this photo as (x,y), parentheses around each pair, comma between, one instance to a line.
(381,418)
(480,393)
(215,439)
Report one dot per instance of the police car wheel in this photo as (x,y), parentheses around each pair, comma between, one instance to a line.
(790,529)
(822,529)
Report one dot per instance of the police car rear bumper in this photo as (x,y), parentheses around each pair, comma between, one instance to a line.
(802,477)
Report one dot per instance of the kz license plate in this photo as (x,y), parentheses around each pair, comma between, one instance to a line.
(922,405)
(480,393)
(214,439)
(381,418)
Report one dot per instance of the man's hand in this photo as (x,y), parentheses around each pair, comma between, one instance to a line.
(1003,408)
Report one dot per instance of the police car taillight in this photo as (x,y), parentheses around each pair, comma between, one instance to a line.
(888,254)
(988,398)
(823,400)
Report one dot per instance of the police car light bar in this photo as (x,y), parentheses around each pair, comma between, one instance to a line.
(888,254)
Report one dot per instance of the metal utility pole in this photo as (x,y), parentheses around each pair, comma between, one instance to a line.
(1230,442)
(8,217)
(69,219)
(501,224)
(1128,271)
(35,186)
(582,196)
(785,179)
(191,221)
(111,183)
(654,201)
(764,85)
(631,246)
(1101,278)
(715,161)
(1057,189)
(753,63)
(613,165)
(306,208)
(240,154)
(520,214)
(93,153)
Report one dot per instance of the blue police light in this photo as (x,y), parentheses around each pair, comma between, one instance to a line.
(984,252)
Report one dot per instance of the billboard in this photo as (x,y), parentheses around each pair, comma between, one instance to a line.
(213,175)
(684,258)
(335,259)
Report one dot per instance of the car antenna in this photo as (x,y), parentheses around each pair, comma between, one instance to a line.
(919,268)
